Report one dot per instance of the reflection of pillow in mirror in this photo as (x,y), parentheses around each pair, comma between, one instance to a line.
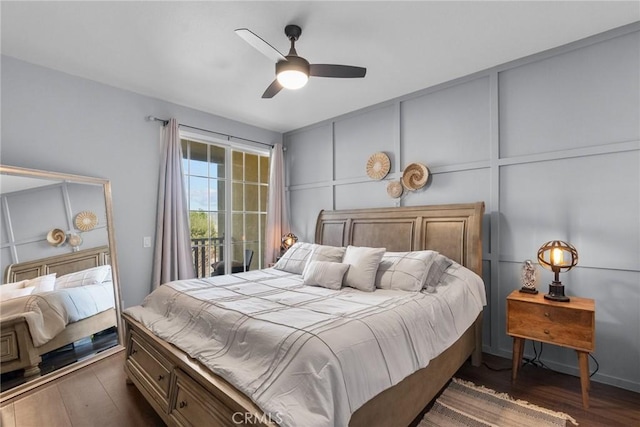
(15,285)
(7,294)
(90,276)
(43,283)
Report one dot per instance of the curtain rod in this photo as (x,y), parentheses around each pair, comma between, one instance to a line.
(166,122)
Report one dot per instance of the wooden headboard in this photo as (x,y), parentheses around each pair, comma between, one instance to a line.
(60,264)
(453,230)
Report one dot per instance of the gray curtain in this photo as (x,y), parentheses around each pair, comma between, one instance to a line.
(277,216)
(172,257)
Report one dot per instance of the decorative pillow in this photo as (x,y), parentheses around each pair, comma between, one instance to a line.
(363,266)
(405,271)
(327,253)
(325,274)
(7,294)
(438,267)
(294,260)
(43,284)
(90,276)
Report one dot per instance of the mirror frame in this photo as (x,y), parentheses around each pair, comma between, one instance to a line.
(106,185)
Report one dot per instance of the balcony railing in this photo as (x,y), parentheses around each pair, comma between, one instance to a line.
(206,251)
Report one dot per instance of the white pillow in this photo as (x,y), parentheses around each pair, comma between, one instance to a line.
(43,284)
(363,267)
(325,274)
(437,269)
(15,285)
(295,259)
(7,294)
(90,276)
(406,271)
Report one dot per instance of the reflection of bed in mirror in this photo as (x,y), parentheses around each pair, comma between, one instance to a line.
(80,305)
(54,222)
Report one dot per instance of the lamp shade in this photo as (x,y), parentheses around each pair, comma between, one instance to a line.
(288,240)
(558,255)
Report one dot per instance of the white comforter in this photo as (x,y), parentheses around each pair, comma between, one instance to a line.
(47,314)
(310,356)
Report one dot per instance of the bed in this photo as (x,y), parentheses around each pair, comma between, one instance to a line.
(185,392)
(34,325)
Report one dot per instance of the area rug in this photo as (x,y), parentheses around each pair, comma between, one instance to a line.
(463,403)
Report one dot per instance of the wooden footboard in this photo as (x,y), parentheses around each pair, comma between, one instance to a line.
(18,352)
(180,389)
(185,393)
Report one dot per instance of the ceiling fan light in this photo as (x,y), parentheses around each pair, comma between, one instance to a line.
(292,79)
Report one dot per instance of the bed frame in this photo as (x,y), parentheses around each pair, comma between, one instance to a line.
(17,349)
(184,392)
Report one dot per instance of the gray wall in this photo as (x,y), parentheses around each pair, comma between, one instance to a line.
(29,215)
(58,122)
(551,144)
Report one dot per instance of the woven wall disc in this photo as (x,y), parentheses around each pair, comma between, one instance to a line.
(415,176)
(86,221)
(378,166)
(394,189)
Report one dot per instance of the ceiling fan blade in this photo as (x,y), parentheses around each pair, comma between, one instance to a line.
(272,90)
(341,71)
(259,44)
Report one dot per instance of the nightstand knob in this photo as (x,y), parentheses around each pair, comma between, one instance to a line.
(546,315)
(546,331)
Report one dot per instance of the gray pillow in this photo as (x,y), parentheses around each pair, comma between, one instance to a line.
(295,259)
(438,267)
(327,253)
(405,271)
(326,274)
(363,266)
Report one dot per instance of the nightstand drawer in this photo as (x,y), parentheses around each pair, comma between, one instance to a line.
(565,326)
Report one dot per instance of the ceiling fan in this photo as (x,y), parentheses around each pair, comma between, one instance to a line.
(293,71)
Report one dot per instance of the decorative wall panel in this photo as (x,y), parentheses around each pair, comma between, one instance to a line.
(449,126)
(571,100)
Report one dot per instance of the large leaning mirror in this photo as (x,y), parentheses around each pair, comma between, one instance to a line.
(60,301)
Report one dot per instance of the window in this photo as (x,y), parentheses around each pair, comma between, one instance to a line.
(227,190)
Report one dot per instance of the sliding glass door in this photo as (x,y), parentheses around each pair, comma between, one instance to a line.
(227,188)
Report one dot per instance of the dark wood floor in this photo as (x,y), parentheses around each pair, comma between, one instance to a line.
(97,395)
(608,406)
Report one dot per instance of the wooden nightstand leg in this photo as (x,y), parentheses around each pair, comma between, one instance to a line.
(585,381)
(518,347)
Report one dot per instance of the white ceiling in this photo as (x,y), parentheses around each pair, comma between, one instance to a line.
(188,53)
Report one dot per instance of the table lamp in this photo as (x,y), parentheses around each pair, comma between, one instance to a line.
(557,256)
(288,240)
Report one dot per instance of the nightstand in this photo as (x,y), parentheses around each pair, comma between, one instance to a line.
(568,324)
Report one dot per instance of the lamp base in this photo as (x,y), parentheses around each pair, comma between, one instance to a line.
(556,292)
(526,290)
